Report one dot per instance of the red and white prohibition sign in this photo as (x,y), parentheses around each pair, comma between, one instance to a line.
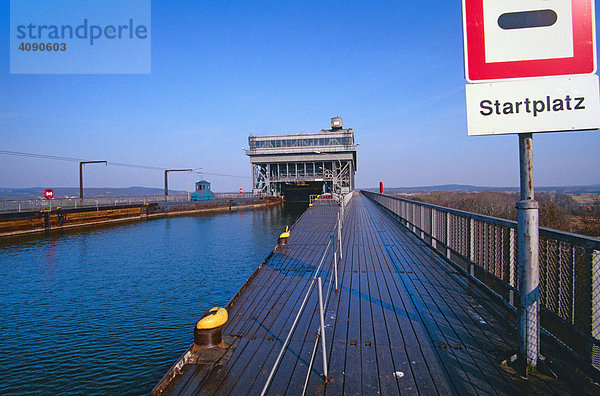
(506,39)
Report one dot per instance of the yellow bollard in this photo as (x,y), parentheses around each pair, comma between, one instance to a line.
(207,332)
(283,237)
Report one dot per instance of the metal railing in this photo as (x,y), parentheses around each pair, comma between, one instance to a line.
(336,241)
(486,247)
(246,195)
(73,203)
(331,197)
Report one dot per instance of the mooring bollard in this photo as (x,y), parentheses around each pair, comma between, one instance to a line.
(207,332)
(283,237)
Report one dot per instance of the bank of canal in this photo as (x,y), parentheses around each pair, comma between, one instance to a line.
(108,309)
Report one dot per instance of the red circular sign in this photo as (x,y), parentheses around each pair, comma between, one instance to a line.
(48,193)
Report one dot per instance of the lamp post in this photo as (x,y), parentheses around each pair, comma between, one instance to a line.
(167,181)
(81,174)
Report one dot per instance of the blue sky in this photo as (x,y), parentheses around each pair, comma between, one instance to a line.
(223,70)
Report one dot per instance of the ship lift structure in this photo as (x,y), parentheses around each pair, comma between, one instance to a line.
(297,165)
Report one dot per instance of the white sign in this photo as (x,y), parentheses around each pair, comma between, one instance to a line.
(549,104)
(543,42)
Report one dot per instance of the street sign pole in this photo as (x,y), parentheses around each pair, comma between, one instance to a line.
(528,259)
(532,66)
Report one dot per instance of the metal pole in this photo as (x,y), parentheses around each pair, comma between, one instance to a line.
(512,273)
(81,180)
(528,258)
(322,317)
(340,236)
(335,269)
(166,184)
(81,174)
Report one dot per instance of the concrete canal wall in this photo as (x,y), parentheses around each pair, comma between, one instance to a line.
(55,219)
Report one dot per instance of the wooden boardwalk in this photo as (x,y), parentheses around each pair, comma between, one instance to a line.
(403,321)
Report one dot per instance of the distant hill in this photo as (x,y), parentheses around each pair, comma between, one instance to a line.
(595,189)
(71,192)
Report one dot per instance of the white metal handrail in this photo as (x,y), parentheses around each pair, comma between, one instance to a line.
(335,237)
(297,318)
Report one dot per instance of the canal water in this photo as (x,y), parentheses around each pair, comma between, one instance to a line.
(109,309)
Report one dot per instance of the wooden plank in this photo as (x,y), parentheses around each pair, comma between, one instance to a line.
(352,368)
(337,361)
(188,372)
(235,370)
(253,378)
(341,305)
(291,360)
(475,340)
(475,358)
(390,358)
(439,330)
(370,382)
(211,382)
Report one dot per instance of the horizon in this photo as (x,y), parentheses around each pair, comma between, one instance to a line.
(358,188)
